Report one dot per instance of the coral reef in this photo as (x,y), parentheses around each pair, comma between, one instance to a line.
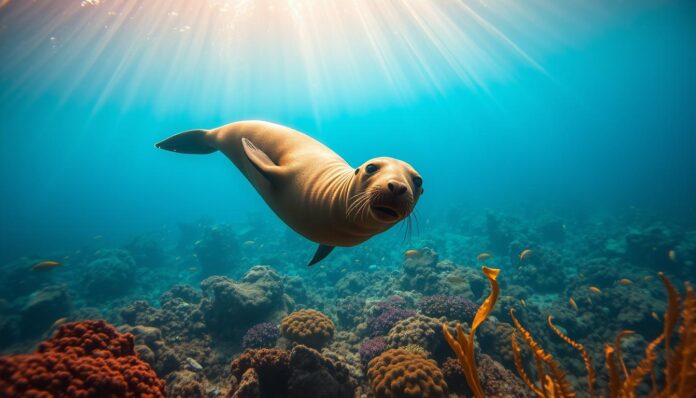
(43,308)
(307,327)
(450,307)
(397,373)
(216,250)
(418,330)
(84,359)
(302,372)
(419,272)
(230,307)
(371,348)
(380,324)
(110,275)
(261,335)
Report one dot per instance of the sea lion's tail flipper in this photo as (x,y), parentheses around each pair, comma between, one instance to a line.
(192,141)
(322,251)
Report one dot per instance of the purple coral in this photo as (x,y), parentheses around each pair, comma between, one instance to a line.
(371,348)
(262,335)
(380,324)
(451,307)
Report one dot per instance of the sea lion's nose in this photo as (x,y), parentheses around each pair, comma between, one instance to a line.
(396,188)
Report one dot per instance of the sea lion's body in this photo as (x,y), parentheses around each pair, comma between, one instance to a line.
(313,194)
(310,187)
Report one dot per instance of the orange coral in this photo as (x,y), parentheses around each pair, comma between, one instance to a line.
(308,327)
(463,345)
(398,373)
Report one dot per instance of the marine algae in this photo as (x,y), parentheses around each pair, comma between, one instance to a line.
(680,361)
(463,345)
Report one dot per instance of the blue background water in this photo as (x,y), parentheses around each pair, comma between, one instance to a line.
(603,117)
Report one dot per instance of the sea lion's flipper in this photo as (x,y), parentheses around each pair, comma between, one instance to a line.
(322,251)
(192,141)
(260,160)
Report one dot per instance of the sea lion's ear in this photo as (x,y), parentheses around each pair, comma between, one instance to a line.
(261,161)
(322,251)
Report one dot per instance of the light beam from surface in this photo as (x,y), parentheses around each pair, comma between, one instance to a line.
(218,57)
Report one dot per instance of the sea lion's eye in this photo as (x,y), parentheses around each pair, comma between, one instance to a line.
(417,181)
(357,171)
(371,168)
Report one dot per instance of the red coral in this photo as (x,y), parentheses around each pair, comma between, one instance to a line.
(84,359)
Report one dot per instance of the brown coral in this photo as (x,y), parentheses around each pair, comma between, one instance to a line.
(398,373)
(308,327)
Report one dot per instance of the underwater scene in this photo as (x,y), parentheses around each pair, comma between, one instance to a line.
(347,198)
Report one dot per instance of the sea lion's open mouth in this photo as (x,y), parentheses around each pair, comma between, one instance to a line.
(385,213)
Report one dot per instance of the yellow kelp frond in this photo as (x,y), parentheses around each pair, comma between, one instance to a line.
(617,347)
(463,345)
(643,368)
(560,383)
(591,376)
(465,354)
(671,316)
(684,358)
(489,302)
(517,356)
(614,380)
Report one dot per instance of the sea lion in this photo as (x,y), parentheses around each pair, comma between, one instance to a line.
(311,188)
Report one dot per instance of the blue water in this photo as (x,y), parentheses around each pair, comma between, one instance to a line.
(601,114)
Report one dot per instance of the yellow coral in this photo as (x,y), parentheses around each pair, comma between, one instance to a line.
(398,373)
(308,327)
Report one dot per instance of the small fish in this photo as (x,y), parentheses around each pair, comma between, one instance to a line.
(249,243)
(524,304)
(97,237)
(572,303)
(525,253)
(654,315)
(193,364)
(648,278)
(411,253)
(625,281)
(483,256)
(192,269)
(45,265)
(595,290)
(57,323)
(456,279)
(672,255)
(589,300)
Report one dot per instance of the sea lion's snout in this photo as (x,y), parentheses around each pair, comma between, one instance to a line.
(396,188)
(392,188)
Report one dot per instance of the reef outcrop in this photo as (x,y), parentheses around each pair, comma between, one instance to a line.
(83,359)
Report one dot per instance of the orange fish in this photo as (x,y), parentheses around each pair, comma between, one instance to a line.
(411,253)
(525,253)
(45,265)
(572,303)
(672,255)
(483,256)
(595,290)
(654,315)
(625,281)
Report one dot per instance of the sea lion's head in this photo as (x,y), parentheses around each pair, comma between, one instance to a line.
(384,190)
